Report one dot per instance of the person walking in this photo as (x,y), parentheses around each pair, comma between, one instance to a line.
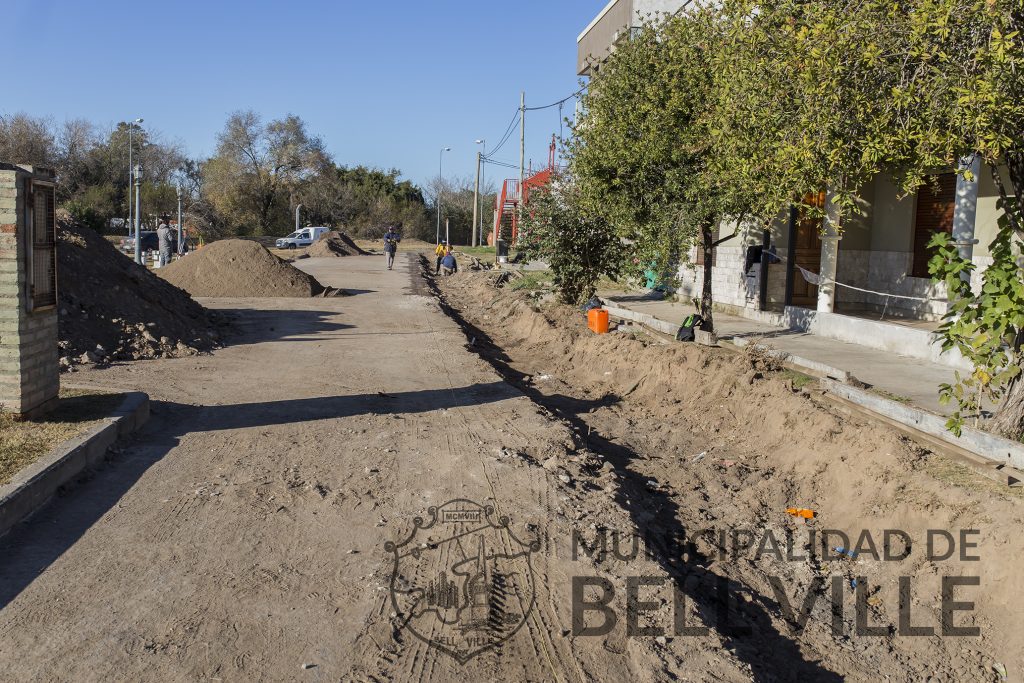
(391,240)
(163,239)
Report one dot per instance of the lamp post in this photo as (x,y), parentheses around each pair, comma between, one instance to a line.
(138,213)
(477,209)
(440,188)
(178,188)
(131,128)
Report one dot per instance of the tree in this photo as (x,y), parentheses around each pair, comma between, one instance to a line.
(827,94)
(27,140)
(579,247)
(976,105)
(642,152)
(258,169)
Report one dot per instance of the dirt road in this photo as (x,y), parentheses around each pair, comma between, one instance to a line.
(263,525)
(242,535)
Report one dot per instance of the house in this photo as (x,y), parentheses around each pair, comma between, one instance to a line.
(880,293)
(612,24)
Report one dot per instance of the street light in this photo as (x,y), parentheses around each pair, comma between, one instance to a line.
(138,213)
(477,198)
(131,128)
(178,188)
(440,188)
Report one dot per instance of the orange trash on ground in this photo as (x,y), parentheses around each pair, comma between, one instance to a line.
(801,512)
(597,320)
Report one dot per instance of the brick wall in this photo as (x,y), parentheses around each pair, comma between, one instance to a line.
(29,370)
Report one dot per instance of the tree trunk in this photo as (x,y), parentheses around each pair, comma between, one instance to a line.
(707,239)
(1009,419)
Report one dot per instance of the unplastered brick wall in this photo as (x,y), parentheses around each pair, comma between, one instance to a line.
(729,284)
(29,370)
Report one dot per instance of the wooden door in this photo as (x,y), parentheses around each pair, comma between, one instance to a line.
(936,202)
(807,252)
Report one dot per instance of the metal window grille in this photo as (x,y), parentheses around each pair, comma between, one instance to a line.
(42,247)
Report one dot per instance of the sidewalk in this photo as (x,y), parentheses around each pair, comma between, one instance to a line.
(899,376)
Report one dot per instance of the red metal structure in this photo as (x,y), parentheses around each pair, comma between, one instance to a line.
(506,208)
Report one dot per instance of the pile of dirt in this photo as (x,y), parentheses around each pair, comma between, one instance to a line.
(695,438)
(241,268)
(334,243)
(110,308)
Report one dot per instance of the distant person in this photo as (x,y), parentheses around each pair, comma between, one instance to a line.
(449,265)
(441,250)
(391,240)
(163,240)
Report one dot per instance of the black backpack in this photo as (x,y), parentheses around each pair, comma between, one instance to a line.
(685,333)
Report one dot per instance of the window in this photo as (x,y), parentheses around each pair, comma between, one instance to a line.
(41,246)
(936,201)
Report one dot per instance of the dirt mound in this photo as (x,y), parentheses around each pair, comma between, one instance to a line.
(722,440)
(334,243)
(110,308)
(241,268)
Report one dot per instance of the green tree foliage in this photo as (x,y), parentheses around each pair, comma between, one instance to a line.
(365,201)
(579,246)
(257,169)
(642,154)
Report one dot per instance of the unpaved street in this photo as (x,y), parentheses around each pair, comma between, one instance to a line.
(241,535)
(250,531)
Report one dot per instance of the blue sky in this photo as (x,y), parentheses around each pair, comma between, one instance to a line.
(385,84)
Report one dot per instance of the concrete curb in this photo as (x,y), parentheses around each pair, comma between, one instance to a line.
(642,318)
(35,485)
(1000,451)
(813,366)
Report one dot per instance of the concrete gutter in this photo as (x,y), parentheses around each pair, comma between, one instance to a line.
(33,487)
(1002,452)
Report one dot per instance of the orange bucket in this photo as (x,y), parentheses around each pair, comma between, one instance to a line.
(597,320)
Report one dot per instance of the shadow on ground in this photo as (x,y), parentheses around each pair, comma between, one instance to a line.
(31,547)
(745,627)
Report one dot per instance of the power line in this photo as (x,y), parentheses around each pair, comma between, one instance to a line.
(506,135)
(559,102)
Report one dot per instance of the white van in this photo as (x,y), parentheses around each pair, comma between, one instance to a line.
(301,238)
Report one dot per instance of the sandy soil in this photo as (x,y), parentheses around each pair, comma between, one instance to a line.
(243,534)
(722,441)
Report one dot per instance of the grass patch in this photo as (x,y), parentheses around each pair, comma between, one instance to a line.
(799,379)
(906,400)
(24,442)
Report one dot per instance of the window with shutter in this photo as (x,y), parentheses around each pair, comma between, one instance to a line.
(42,248)
(936,202)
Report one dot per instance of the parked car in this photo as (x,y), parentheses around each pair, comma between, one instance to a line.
(149,241)
(301,238)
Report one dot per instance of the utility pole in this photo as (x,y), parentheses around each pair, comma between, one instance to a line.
(476,198)
(522,143)
(297,207)
(447,239)
(440,189)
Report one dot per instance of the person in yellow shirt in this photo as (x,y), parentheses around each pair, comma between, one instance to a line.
(441,250)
